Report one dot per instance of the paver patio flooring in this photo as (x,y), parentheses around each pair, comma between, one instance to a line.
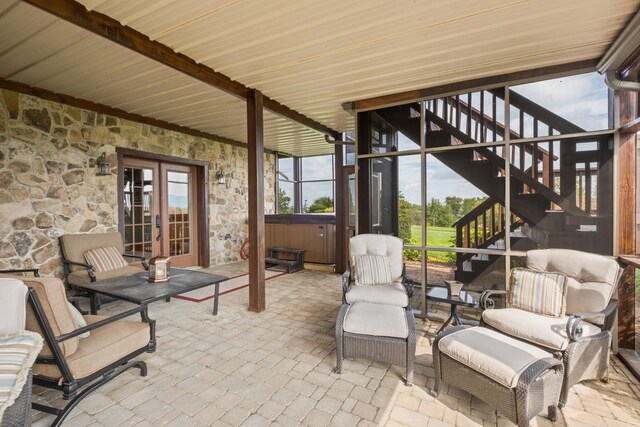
(276,367)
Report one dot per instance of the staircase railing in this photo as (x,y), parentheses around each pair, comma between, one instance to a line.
(483,226)
(477,118)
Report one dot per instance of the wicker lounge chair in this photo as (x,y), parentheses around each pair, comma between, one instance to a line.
(399,292)
(583,336)
(74,365)
(18,352)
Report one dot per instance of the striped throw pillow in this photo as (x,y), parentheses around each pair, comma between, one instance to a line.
(17,354)
(371,270)
(105,259)
(538,292)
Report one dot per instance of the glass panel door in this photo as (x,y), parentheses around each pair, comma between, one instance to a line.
(179,216)
(140,207)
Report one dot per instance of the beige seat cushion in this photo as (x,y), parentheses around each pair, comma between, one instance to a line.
(592,277)
(549,332)
(393,294)
(81,277)
(104,346)
(498,356)
(53,299)
(379,320)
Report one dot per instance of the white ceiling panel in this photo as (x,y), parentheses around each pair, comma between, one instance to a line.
(311,56)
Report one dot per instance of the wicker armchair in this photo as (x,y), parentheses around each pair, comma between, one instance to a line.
(74,365)
(399,292)
(582,338)
(18,351)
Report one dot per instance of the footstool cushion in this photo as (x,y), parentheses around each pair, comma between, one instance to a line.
(378,320)
(380,332)
(491,353)
(514,377)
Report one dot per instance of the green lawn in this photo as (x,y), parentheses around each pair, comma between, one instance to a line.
(436,236)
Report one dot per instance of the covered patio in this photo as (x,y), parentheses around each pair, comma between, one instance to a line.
(239,136)
(277,368)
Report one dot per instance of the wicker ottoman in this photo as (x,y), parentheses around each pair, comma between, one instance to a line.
(517,379)
(380,332)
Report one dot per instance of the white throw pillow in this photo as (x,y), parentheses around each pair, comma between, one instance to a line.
(78,319)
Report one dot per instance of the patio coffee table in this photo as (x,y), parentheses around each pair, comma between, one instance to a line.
(465,299)
(137,289)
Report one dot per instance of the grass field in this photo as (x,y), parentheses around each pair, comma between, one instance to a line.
(436,236)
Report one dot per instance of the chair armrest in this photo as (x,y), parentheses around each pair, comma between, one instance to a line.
(35,271)
(346,279)
(141,258)
(100,323)
(486,302)
(539,367)
(574,327)
(89,268)
(80,264)
(408,283)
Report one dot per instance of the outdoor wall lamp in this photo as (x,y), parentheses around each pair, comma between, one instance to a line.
(220,178)
(102,167)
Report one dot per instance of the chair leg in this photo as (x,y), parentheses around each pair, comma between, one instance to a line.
(64,412)
(553,413)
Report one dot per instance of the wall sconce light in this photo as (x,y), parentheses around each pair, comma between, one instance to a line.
(221,178)
(102,167)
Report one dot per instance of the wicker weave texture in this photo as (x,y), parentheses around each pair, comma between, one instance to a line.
(538,387)
(19,414)
(396,351)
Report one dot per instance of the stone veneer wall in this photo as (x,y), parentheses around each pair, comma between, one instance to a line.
(48,186)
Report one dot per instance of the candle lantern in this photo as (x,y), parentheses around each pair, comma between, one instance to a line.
(453,287)
(159,268)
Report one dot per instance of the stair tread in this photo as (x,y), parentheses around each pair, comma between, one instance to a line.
(271,260)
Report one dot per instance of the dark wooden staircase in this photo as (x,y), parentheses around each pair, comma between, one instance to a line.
(546,211)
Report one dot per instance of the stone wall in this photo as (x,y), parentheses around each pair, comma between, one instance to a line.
(48,185)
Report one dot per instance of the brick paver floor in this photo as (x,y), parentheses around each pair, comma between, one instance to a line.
(276,367)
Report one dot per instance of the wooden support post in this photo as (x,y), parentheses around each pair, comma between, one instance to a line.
(255,141)
(626,182)
(339,207)
(363,172)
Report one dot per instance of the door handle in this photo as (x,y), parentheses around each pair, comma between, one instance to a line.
(158,227)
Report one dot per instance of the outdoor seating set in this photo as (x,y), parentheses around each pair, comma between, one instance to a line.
(375,320)
(554,332)
(82,352)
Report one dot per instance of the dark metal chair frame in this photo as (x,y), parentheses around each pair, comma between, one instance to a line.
(71,387)
(66,264)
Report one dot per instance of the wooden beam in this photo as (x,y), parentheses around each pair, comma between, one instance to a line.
(626,181)
(255,140)
(484,82)
(107,27)
(116,112)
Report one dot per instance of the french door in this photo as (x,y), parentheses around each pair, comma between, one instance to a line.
(160,215)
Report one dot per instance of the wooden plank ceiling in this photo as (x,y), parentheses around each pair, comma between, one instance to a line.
(311,56)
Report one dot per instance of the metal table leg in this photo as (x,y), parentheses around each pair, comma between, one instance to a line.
(93,303)
(216,296)
(453,318)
